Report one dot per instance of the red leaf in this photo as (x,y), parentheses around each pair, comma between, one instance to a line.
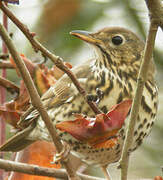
(39,153)
(99,129)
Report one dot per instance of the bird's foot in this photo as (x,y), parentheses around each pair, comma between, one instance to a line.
(62,156)
(97,97)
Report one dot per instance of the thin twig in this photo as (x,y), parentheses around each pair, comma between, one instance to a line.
(10,86)
(55,59)
(6,65)
(35,99)
(3,92)
(106,173)
(142,77)
(39,171)
(155,8)
(4,56)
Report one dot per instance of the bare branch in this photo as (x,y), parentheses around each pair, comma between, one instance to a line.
(36,102)
(10,86)
(6,65)
(142,77)
(39,171)
(155,8)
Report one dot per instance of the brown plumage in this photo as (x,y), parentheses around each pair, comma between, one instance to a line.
(114,70)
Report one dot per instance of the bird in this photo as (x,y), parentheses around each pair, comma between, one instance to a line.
(113,69)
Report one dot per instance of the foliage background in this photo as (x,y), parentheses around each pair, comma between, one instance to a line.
(52,20)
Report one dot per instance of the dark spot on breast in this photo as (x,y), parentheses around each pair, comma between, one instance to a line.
(138,118)
(149,90)
(139,142)
(117,147)
(84,147)
(119,83)
(148,125)
(125,75)
(75,148)
(100,64)
(140,126)
(120,98)
(123,137)
(91,87)
(61,134)
(152,123)
(125,91)
(102,81)
(141,134)
(117,153)
(130,87)
(145,105)
(104,109)
(153,115)
(70,141)
(135,133)
(121,132)
(145,121)
(108,89)
(102,149)
(155,105)
(144,135)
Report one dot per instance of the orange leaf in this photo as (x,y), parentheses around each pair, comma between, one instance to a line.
(107,144)
(39,153)
(8,113)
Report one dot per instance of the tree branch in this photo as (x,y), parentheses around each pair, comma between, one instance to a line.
(39,171)
(35,99)
(55,59)
(142,77)
(6,65)
(155,8)
(10,86)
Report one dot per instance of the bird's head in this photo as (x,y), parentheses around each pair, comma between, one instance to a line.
(118,45)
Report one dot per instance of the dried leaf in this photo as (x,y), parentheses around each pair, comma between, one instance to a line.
(29,64)
(8,113)
(100,129)
(38,156)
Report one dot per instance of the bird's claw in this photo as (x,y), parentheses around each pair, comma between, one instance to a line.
(96,98)
(62,156)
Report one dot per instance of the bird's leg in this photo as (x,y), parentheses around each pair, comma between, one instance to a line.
(106,173)
(63,154)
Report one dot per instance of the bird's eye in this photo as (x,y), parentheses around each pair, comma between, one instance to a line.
(117,40)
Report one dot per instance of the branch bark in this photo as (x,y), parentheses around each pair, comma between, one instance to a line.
(39,171)
(142,77)
(10,86)
(6,65)
(35,99)
(155,9)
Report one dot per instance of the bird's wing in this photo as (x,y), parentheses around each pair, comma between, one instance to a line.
(62,92)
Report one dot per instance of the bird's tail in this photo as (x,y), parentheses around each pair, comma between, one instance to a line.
(19,141)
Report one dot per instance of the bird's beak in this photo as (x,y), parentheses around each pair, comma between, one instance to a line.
(85,36)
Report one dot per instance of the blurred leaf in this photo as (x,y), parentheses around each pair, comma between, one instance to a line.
(39,153)
(12,1)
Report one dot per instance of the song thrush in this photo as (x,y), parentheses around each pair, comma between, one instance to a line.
(113,70)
